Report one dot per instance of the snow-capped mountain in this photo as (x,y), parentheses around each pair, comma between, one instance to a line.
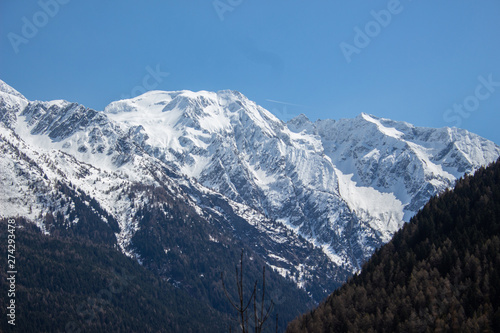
(346,185)
(313,198)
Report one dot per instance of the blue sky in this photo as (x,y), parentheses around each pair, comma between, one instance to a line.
(431,63)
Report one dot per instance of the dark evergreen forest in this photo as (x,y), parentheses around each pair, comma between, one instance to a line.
(76,285)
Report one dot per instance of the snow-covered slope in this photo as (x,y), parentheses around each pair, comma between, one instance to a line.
(413,163)
(311,191)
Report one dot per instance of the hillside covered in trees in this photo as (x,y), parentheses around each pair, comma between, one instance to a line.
(75,285)
(439,273)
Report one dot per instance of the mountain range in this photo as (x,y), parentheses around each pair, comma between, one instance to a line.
(312,200)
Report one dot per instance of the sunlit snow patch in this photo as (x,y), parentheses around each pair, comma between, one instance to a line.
(372,205)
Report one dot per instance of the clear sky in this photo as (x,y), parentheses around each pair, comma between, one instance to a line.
(430,63)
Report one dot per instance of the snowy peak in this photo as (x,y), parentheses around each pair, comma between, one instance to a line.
(300,123)
(397,157)
(187,113)
(6,89)
(11,102)
(189,102)
(151,101)
(386,130)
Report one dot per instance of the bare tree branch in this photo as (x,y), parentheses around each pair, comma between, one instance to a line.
(242,309)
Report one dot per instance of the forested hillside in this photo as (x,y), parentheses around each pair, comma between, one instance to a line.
(439,273)
(76,285)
